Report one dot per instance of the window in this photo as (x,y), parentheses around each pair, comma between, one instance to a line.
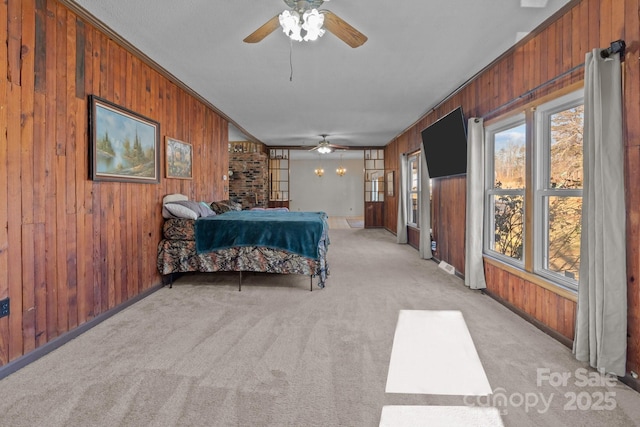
(549,244)
(374,175)
(506,164)
(413,187)
(558,197)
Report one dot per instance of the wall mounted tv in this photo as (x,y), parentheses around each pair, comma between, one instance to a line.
(445,145)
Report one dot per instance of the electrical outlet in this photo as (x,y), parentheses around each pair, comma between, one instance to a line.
(4,307)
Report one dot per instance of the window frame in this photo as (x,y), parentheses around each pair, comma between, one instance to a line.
(490,191)
(536,255)
(413,158)
(542,190)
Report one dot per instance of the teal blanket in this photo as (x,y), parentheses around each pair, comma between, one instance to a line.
(296,232)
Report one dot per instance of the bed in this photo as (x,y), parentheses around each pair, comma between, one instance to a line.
(268,241)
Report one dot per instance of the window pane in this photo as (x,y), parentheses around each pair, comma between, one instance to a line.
(413,165)
(510,157)
(563,251)
(414,185)
(413,213)
(566,148)
(508,233)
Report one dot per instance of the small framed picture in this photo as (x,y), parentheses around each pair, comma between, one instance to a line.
(179,157)
(390,184)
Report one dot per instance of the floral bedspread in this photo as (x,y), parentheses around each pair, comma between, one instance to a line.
(179,229)
(177,254)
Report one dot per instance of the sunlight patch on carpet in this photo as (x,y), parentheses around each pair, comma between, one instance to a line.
(433,353)
(436,416)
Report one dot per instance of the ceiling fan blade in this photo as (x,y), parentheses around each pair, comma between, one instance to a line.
(341,29)
(269,27)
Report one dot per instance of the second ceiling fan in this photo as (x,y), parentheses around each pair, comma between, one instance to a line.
(325,147)
(305,22)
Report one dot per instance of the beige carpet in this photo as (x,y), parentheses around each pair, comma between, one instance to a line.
(275,354)
(356,222)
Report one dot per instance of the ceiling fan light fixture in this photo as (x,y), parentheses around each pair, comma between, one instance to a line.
(308,28)
(323,149)
(304,21)
(290,23)
(312,24)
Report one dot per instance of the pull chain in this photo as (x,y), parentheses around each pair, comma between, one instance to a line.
(291,59)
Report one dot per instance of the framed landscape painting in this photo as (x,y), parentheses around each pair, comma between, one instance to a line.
(179,158)
(125,146)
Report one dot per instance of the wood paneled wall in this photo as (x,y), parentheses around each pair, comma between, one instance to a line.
(545,306)
(391,163)
(449,194)
(549,60)
(72,248)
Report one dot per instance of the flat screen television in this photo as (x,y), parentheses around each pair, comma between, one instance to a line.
(445,145)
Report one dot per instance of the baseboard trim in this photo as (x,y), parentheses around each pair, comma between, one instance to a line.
(631,382)
(57,342)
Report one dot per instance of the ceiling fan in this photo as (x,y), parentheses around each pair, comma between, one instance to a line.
(304,22)
(325,147)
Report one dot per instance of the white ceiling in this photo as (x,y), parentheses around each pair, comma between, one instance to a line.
(417,54)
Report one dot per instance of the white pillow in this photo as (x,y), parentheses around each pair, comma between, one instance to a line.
(180,211)
(171,198)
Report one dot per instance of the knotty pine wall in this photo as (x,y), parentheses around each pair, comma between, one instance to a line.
(72,248)
(539,66)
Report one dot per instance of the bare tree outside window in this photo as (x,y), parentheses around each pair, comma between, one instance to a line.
(507,199)
(564,208)
(553,135)
(414,189)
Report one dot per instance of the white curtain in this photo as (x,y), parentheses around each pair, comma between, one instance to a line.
(401,229)
(601,321)
(425,210)
(474,265)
